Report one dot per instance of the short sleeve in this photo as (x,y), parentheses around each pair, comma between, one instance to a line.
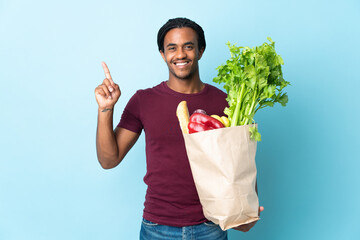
(130,118)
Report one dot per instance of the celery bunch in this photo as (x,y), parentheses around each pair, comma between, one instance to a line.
(253,80)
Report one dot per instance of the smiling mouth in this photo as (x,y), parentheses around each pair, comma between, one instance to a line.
(179,64)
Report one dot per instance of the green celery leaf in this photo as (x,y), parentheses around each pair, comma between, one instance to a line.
(283,100)
(269,38)
(255,135)
(281,61)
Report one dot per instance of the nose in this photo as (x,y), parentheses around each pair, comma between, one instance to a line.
(180,54)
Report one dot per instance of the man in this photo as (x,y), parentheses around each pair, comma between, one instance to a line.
(172,207)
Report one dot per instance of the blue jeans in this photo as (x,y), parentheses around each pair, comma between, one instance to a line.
(204,231)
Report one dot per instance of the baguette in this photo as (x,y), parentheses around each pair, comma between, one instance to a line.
(182,113)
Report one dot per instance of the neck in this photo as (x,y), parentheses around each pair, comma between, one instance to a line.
(185,86)
(188,86)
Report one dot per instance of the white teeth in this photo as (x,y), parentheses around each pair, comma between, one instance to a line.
(181,64)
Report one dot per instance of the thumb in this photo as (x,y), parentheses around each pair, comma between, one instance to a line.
(261,208)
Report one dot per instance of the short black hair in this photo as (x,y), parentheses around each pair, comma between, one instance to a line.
(180,23)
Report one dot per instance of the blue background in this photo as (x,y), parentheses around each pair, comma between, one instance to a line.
(51,184)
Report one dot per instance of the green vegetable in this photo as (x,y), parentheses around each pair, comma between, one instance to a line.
(253,80)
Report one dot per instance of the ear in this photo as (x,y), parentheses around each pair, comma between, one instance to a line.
(201,51)
(162,55)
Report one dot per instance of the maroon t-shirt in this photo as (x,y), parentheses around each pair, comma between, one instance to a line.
(171,197)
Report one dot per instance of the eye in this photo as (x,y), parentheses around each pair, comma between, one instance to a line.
(171,48)
(189,47)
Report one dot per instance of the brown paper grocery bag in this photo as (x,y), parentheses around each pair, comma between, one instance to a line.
(223,165)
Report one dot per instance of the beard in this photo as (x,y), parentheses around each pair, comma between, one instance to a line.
(183,75)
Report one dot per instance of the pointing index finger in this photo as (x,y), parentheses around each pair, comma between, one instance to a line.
(107,72)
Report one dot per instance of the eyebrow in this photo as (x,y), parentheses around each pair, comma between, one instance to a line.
(173,44)
(189,43)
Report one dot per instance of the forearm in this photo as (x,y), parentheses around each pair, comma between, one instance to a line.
(106,146)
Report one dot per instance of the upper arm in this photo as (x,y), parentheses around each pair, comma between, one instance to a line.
(125,140)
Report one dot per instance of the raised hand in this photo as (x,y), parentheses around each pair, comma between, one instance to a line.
(108,93)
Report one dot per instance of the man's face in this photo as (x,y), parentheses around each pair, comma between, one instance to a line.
(181,52)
